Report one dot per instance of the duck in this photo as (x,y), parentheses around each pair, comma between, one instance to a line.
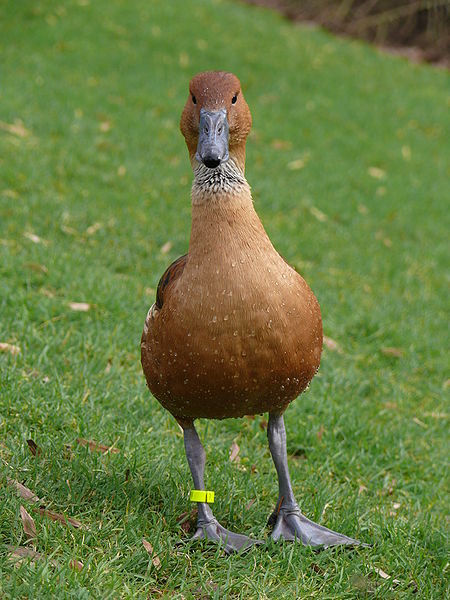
(234,330)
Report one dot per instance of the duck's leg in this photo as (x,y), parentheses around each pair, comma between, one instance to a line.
(207,525)
(289,523)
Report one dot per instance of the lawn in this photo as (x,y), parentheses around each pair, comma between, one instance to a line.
(347,162)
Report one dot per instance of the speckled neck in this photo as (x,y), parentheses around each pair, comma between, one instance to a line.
(212,184)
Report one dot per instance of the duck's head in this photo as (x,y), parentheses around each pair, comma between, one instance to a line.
(216,120)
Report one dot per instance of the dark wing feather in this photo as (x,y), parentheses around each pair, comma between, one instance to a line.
(170,275)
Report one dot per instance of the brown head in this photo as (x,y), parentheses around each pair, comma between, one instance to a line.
(216,119)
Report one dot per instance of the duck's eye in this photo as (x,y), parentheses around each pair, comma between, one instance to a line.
(194,99)
(234,99)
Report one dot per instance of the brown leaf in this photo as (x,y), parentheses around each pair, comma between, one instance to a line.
(93,228)
(14,350)
(35,451)
(320,433)
(79,306)
(105,126)
(234,452)
(19,554)
(250,504)
(296,165)
(17,128)
(54,516)
(281,144)
(23,491)
(96,447)
(187,520)
(76,564)
(331,344)
(155,559)
(318,214)
(34,238)
(315,567)
(28,524)
(396,352)
(384,575)
(376,172)
(406,152)
(420,423)
(166,248)
(36,267)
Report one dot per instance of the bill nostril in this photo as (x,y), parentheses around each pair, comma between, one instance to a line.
(211,162)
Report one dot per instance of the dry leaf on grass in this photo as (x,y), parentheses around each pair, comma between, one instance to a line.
(14,350)
(234,452)
(155,559)
(362,488)
(36,267)
(34,449)
(331,344)
(17,128)
(376,172)
(396,352)
(34,238)
(105,126)
(320,433)
(167,247)
(250,504)
(420,423)
(29,526)
(186,520)
(315,567)
(54,516)
(93,228)
(19,554)
(296,165)
(79,306)
(281,144)
(23,491)
(96,447)
(384,575)
(75,564)
(318,214)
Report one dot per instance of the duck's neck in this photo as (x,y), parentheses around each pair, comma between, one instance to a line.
(215,185)
(223,216)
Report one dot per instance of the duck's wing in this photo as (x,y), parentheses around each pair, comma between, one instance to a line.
(171,274)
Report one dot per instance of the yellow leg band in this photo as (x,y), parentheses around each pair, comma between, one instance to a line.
(202,496)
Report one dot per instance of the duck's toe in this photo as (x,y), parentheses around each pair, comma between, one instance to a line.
(231,542)
(292,525)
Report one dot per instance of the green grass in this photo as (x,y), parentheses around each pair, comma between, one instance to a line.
(101,175)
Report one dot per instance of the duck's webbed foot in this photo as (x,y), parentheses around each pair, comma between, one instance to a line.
(231,542)
(290,524)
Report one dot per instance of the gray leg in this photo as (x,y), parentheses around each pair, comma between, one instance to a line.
(289,523)
(207,525)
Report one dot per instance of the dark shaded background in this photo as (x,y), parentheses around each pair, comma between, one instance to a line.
(421,28)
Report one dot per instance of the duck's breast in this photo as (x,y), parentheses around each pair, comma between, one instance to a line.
(238,335)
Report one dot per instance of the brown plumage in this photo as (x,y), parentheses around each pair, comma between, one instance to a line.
(235,330)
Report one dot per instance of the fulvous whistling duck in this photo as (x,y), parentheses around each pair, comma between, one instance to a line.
(234,330)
